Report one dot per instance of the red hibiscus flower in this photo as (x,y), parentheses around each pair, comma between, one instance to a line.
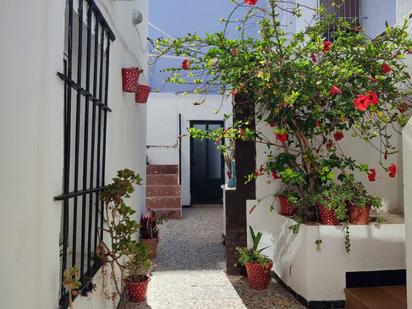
(275,175)
(334,90)
(327,46)
(403,107)
(386,68)
(313,57)
(251,2)
(282,137)
(372,174)
(329,144)
(361,102)
(392,170)
(185,64)
(373,97)
(338,135)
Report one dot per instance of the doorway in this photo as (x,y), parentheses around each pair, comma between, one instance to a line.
(206,166)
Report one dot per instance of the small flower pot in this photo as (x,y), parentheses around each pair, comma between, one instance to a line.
(152,245)
(130,78)
(285,208)
(258,275)
(142,93)
(327,216)
(358,215)
(137,290)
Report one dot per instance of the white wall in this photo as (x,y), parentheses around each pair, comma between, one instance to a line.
(320,275)
(163,127)
(31,132)
(407,153)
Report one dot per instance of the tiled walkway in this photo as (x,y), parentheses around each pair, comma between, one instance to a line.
(189,271)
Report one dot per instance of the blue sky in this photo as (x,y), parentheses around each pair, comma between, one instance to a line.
(178,18)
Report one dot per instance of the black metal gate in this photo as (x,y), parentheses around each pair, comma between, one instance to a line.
(85,77)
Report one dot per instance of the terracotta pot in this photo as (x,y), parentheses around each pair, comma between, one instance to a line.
(327,216)
(130,78)
(152,245)
(137,290)
(286,208)
(258,276)
(358,215)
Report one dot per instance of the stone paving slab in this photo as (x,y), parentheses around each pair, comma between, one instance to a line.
(189,270)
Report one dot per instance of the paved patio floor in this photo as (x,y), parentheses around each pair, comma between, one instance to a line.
(189,271)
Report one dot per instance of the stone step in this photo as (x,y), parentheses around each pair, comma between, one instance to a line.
(162,169)
(161,179)
(163,191)
(164,202)
(383,297)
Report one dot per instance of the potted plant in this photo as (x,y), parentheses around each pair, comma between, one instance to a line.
(287,202)
(331,204)
(137,273)
(149,231)
(258,266)
(119,249)
(359,202)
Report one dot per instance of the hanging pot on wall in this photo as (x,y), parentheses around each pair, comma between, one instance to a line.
(142,93)
(130,78)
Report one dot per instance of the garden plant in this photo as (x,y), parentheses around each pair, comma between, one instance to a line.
(314,88)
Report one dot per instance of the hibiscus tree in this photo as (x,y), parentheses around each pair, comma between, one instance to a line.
(309,89)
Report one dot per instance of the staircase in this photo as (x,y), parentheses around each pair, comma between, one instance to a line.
(384,297)
(163,192)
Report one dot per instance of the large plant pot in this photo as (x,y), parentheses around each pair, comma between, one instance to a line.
(285,208)
(258,275)
(358,215)
(137,291)
(152,245)
(327,216)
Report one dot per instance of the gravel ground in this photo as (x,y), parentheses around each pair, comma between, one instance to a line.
(189,270)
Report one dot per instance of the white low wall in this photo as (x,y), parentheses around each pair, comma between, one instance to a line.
(320,275)
(163,127)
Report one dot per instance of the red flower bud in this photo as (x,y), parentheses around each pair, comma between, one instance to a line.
(275,175)
(185,64)
(251,2)
(386,68)
(327,46)
(334,90)
(392,170)
(317,123)
(338,135)
(372,174)
(281,137)
(329,144)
